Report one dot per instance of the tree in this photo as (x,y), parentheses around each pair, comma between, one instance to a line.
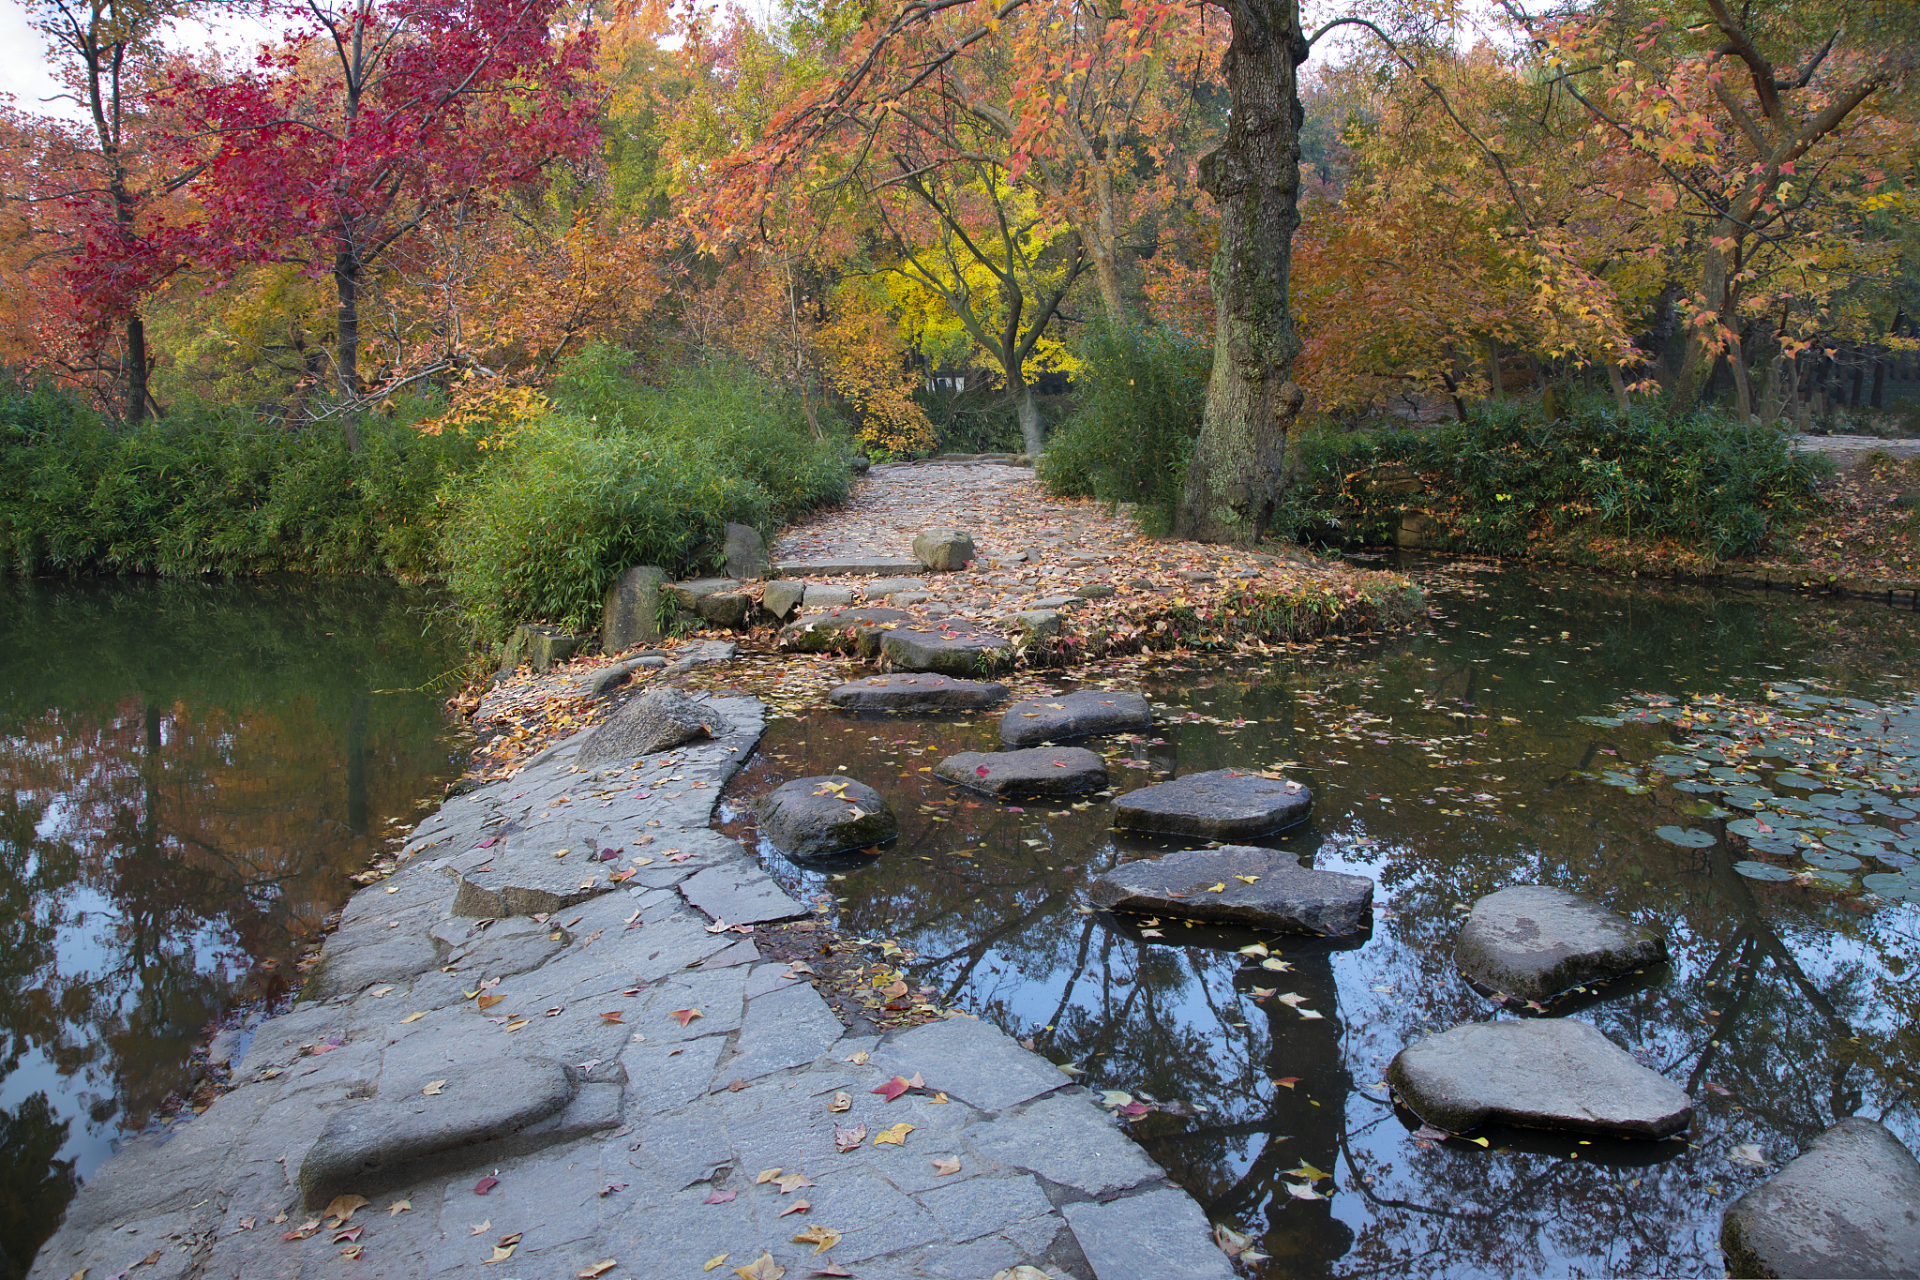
(342,145)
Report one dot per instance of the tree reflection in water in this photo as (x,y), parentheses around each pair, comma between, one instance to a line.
(192,772)
(1445,764)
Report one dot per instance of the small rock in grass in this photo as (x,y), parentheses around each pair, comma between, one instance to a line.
(1036,771)
(815,817)
(944,550)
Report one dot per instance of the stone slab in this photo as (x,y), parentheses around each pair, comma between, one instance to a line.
(918,691)
(1156,1235)
(1074,715)
(848,567)
(786,1028)
(944,550)
(971,1060)
(815,817)
(1240,884)
(957,650)
(841,629)
(1544,1073)
(1070,1142)
(1221,804)
(742,894)
(1534,941)
(1034,771)
(653,721)
(1846,1207)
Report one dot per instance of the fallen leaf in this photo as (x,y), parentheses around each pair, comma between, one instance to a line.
(480,1228)
(487,1000)
(849,1139)
(1261,993)
(1292,999)
(765,1176)
(349,1235)
(1749,1153)
(501,1252)
(842,1101)
(893,1088)
(684,1016)
(615,1017)
(720,1197)
(485,1185)
(859,1059)
(944,1165)
(1217,888)
(1307,1171)
(414,1017)
(893,1135)
(792,1182)
(798,1206)
(515,1025)
(735,1086)
(832,1268)
(1287,1082)
(821,1238)
(761,1268)
(1300,1191)
(344,1207)
(597,1270)
(435,1089)
(711,1263)
(399,1207)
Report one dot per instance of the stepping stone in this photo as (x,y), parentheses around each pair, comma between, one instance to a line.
(1544,1073)
(1034,624)
(1242,885)
(1849,1205)
(918,691)
(814,817)
(739,894)
(841,629)
(851,567)
(782,596)
(887,586)
(821,595)
(1094,591)
(655,721)
(1534,942)
(957,650)
(1036,771)
(1074,715)
(1222,804)
(944,550)
(689,594)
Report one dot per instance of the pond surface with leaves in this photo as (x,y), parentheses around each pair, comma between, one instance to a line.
(1735,767)
(190,773)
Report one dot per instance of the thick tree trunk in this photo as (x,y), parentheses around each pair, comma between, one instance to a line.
(1618,382)
(136,368)
(346,342)
(1236,473)
(1033,435)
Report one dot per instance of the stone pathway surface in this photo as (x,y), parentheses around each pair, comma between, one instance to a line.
(549,1047)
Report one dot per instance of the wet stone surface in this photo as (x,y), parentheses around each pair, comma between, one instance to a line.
(1036,771)
(814,817)
(1533,942)
(1240,884)
(917,692)
(1221,804)
(1076,715)
(1848,1206)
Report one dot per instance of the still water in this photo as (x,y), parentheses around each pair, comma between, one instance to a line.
(1448,762)
(189,773)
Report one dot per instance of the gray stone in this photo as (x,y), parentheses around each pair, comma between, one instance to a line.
(688,594)
(632,613)
(1534,942)
(824,595)
(1074,715)
(658,719)
(746,552)
(379,1145)
(349,964)
(1069,1141)
(1282,894)
(529,880)
(785,1028)
(957,649)
(607,679)
(1056,602)
(981,1206)
(971,1060)
(1222,804)
(1094,591)
(701,654)
(1157,1235)
(1544,1073)
(782,597)
(740,894)
(1846,1207)
(944,550)
(850,567)
(1034,624)
(1035,771)
(906,599)
(724,608)
(222,1049)
(840,630)
(538,646)
(813,817)
(887,586)
(918,692)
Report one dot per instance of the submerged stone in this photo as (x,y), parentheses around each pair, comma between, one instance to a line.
(1074,715)
(1544,1073)
(814,817)
(1036,771)
(957,650)
(1534,942)
(656,720)
(917,691)
(1222,804)
(1848,1206)
(1240,884)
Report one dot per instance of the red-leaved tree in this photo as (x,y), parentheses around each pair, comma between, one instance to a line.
(341,145)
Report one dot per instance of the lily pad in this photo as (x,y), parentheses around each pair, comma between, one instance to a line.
(1696,787)
(1798,781)
(1831,861)
(1834,878)
(1762,871)
(1731,775)
(1685,837)
(1676,765)
(1751,828)
(1772,845)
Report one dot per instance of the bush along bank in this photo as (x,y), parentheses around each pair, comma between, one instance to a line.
(1637,490)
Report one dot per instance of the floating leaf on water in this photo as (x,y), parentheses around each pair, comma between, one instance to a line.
(1605,722)
(1695,786)
(1774,845)
(1832,861)
(1731,775)
(1685,837)
(1798,781)
(1755,828)
(1837,879)
(1762,871)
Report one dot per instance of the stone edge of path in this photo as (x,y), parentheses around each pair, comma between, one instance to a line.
(627,1167)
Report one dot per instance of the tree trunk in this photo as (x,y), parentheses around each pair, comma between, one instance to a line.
(1033,436)
(1236,474)
(1742,386)
(1877,400)
(346,343)
(1496,376)
(136,368)
(1618,382)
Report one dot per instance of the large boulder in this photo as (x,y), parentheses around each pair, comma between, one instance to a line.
(1222,804)
(688,595)
(1543,1073)
(632,613)
(944,550)
(724,608)
(1848,1206)
(957,649)
(657,720)
(816,817)
(1533,942)
(1036,771)
(843,629)
(1240,884)
(916,691)
(782,597)
(1074,715)
(746,553)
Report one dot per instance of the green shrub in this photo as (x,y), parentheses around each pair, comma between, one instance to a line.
(1142,390)
(1508,476)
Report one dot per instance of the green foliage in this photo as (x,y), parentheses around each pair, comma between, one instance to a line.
(1143,389)
(1508,477)
(621,474)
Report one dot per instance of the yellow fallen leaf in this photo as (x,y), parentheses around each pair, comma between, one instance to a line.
(435,1089)
(821,1238)
(841,1101)
(765,1176)
(859,1059)
(501,1252)
(761,1268)
(515,1025)
(344,1207)
(598,1269)
(791,1183)
(714,1262)
(798,1206)
(414,1017)
(399,1207)
(1246,879)
(894,1135)
(487,1000)
(944,1165)
(480,1228)
(1217,888)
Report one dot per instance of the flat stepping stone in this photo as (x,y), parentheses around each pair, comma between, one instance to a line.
(1222,804)
(887,586)
(1240,884)
(1074,715)
(849,567)
(1845,1207)
(917,691)
(1544,1073)
(816,817)
(1036,771)
(843,628)
(655,721)
(1534,942)
(739,894)
(954,651)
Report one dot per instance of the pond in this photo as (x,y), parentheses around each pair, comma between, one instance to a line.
(190,775)
(1448,763)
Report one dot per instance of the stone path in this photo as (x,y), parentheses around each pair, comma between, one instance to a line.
(549,1047)
(1847,450)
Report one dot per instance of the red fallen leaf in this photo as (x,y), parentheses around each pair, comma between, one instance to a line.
(614,1017)
(488,843)
(983,771)
(485,1185)
(348,1236)
(1134,1110)
(893,1088)
(684,1016)
(606,855)
(720,1197)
